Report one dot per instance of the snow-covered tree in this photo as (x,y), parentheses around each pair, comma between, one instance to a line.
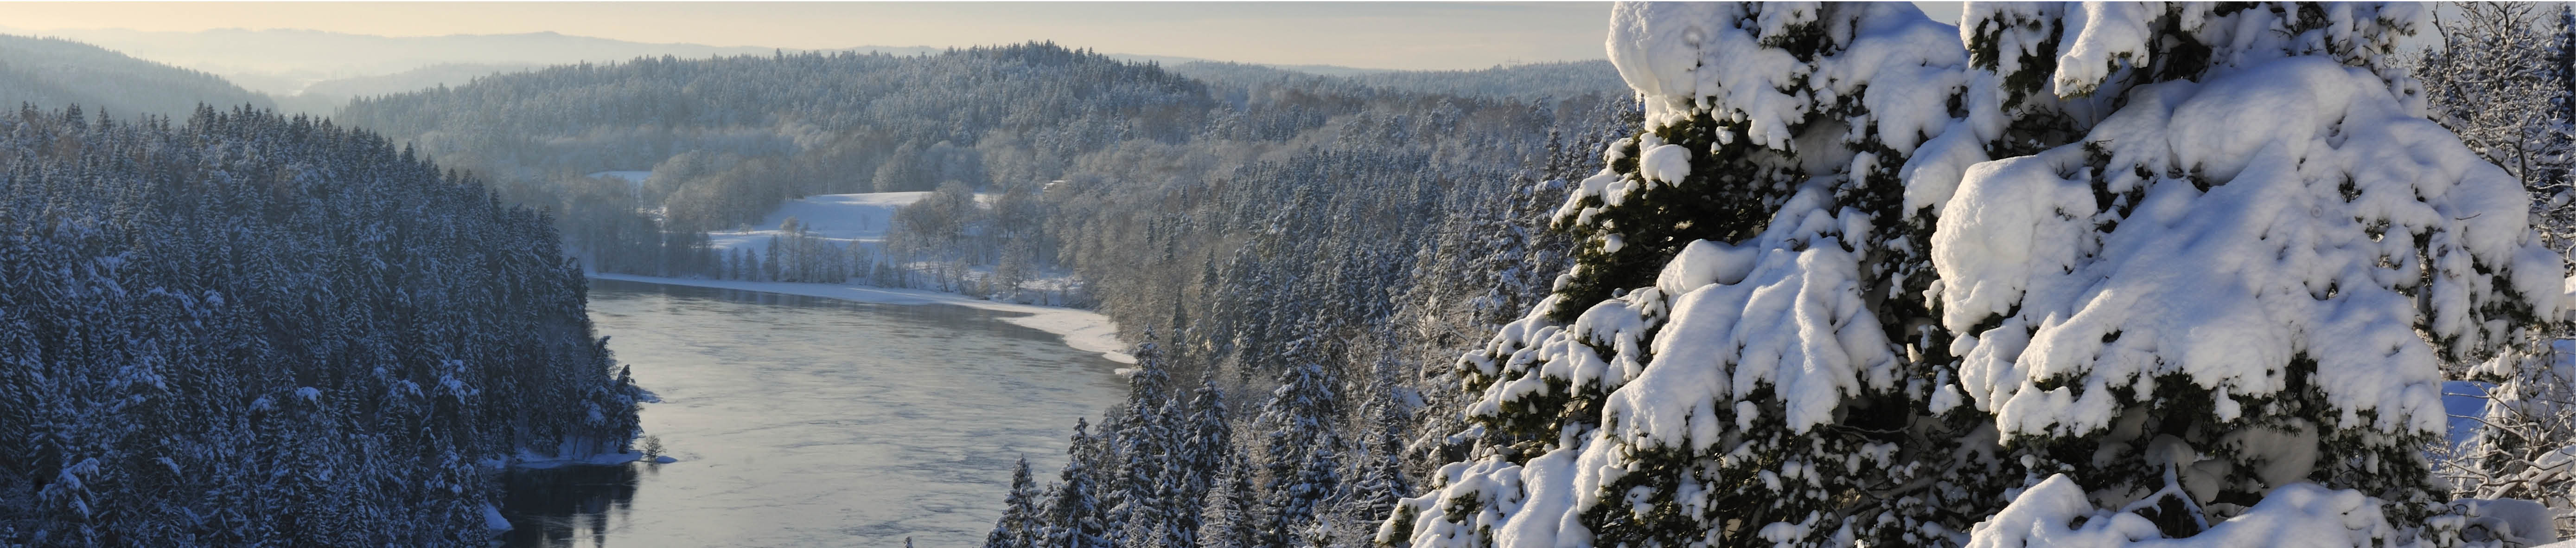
(1145,441)
(272,330)
(2520,442)
(1377,477)
(2221,254)
(1234,516)
(2246,275)
(1302,469)
(1074,518)
(2501,80)
(1017,528)
(1726,364)
(2504,82)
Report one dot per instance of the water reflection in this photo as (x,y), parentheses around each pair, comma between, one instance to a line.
(567,506)
(803,421)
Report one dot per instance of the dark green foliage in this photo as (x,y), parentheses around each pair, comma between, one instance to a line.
(1884,469)
(1741,187)
(246,329)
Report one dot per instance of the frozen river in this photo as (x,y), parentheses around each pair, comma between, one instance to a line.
(803,421)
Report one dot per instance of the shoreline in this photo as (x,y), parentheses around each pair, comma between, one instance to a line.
(1082,330)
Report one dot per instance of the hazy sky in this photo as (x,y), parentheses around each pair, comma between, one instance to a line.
(1373,35)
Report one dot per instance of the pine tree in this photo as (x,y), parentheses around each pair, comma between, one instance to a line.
(1234,515)
(771,269)
(1074,518)
(1733,332)
(2336,324)
(1377,477)
(1951,322)
(1017,527)
(1298,455)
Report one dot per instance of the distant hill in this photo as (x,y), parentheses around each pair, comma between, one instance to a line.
(52,73)
(1565,79)
(284,61)
(327,96)
(318,72)
(1522,82)
(414,79)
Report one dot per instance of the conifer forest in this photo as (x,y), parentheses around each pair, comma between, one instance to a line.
(1729,274)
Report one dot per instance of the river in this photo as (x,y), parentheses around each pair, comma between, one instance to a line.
(804,421)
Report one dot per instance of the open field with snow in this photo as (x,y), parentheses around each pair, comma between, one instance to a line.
(840,218)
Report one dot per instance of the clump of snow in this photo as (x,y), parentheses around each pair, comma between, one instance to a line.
(2057,513)
(1679,54)
(1793,320)
(492,519)
(1668,164)
(1783,311)
(2104,47)
(2108,34)
(2516,521)
(1507,504)
(2305,163)
(1606,185)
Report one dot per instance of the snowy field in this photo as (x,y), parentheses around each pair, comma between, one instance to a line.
(636,177)
(840,218)
(863,219)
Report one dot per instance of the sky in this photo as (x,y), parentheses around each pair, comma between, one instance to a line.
(1393,35)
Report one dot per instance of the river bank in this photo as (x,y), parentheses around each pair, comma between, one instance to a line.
(1083,330)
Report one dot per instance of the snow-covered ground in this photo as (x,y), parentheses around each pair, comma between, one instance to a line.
(840,218)
(629,176)
(2463,403)
(863,219)
(1081,329)
(532,460)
